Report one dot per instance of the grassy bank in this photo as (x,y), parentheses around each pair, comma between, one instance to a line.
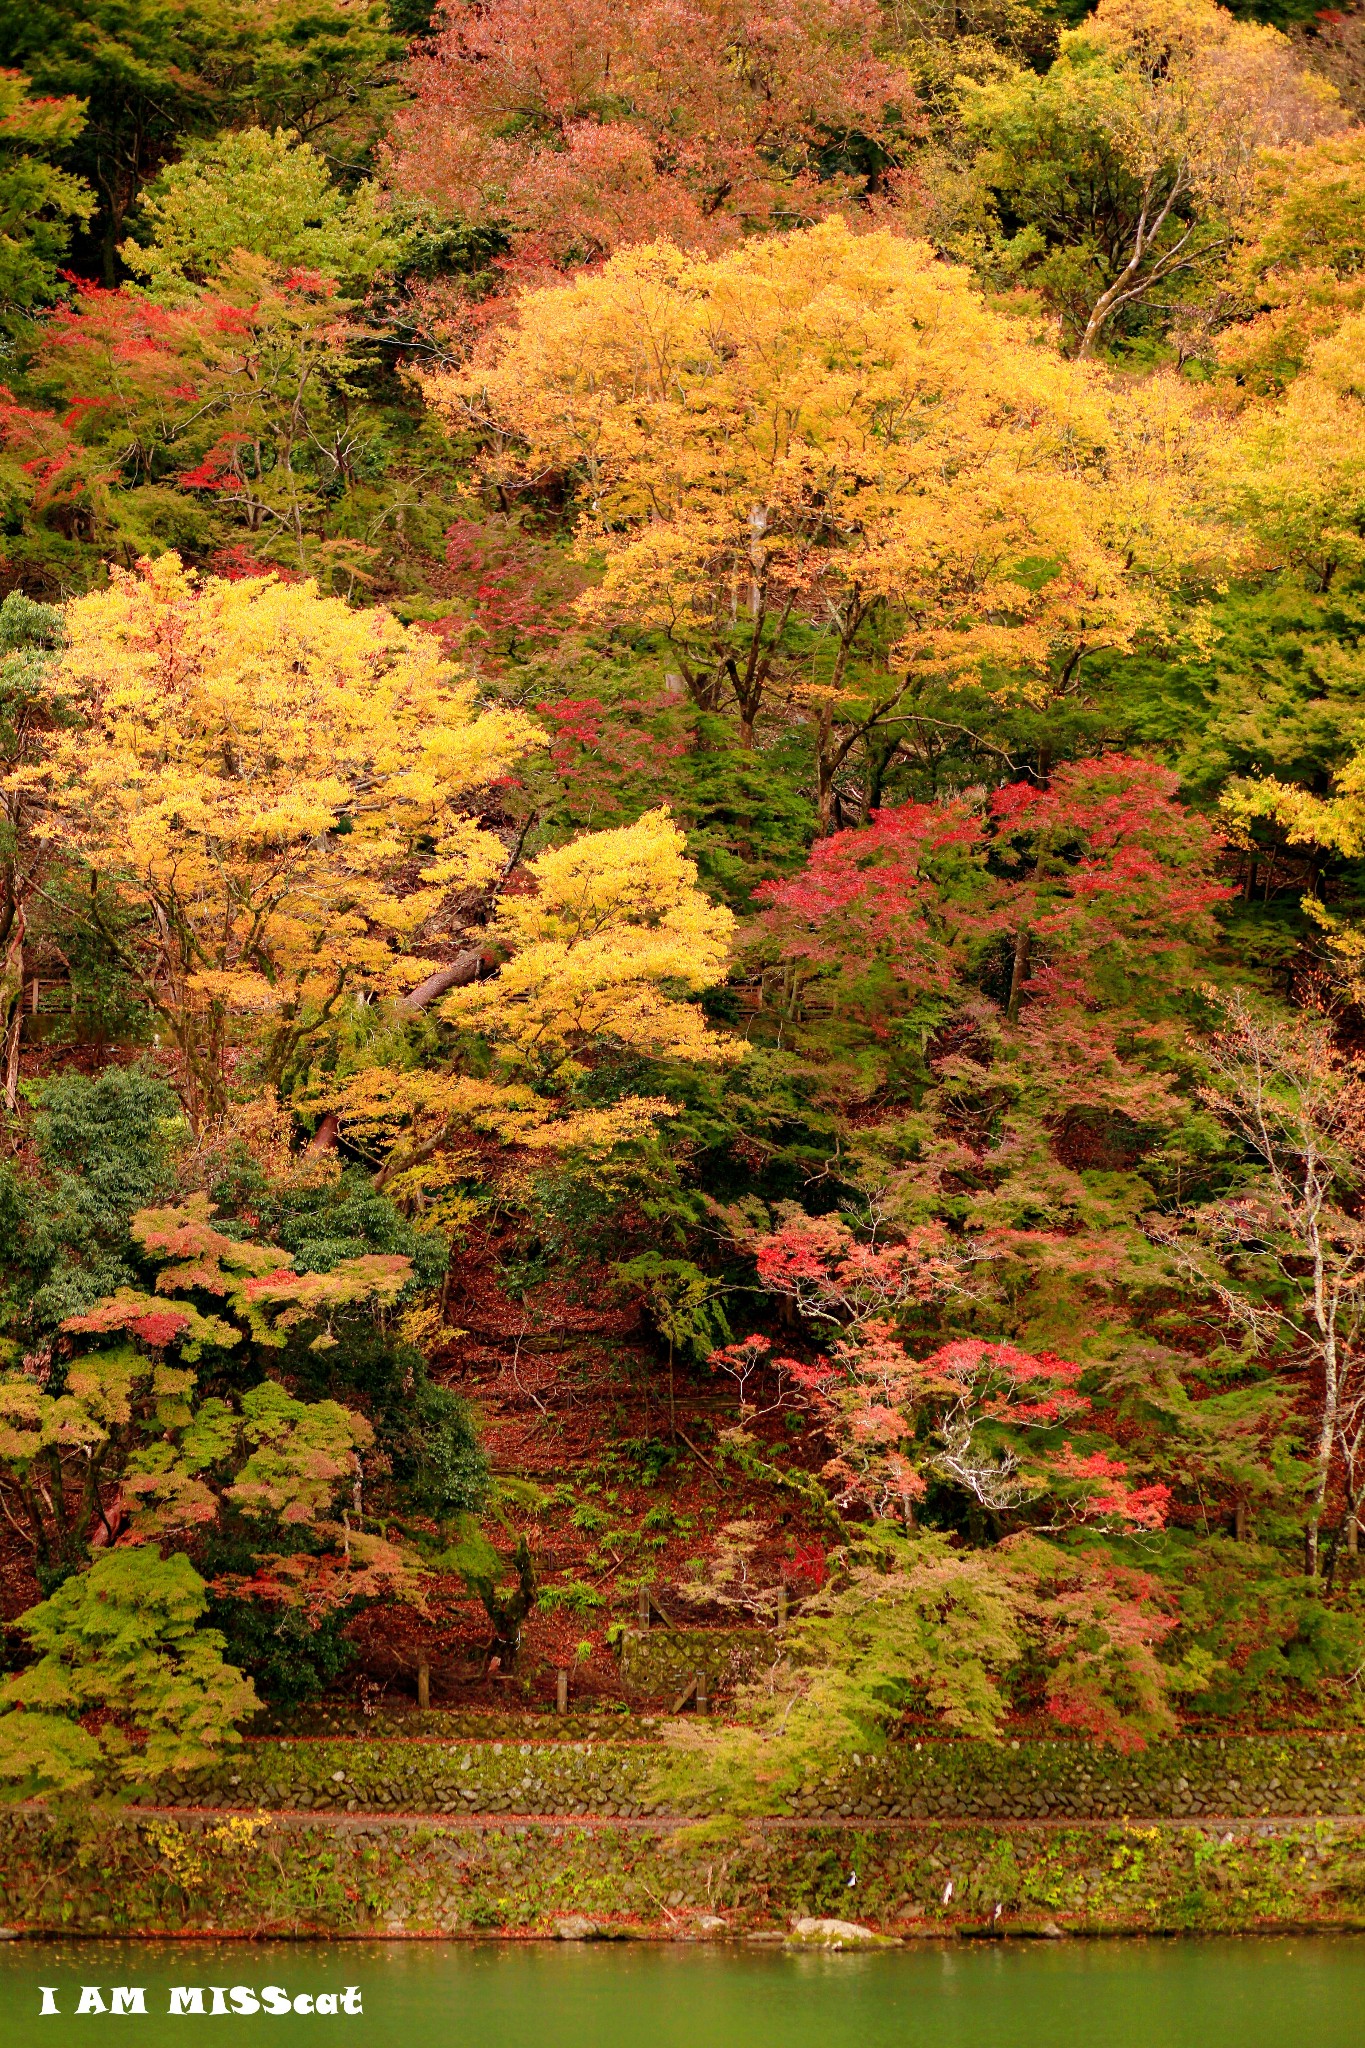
(94,1872)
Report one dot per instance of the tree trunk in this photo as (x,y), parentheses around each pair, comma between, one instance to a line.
(827,765)
(12,982)
(1327,1436)
(457,973)
(12,1038)
(1019,972)
(507,1610)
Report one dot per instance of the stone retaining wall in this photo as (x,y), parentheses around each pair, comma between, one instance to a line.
(658,1663)
(1245,1776)
(1235,1775)
(475,1724)
(423,1776)
(91,1873)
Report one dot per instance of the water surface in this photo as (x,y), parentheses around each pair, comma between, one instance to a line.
(1274,1993)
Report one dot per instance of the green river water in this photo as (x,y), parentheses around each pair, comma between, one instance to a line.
(1272,1993)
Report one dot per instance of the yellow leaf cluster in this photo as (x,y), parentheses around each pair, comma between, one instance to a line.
(407,1113)
(825,421)
(277,780)
(1201,89)
(1300,260)
(604,944)
(1296,479)
(1293,477)
(612,931)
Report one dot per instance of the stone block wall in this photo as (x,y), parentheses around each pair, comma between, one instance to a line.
(479,1724)
(1247,1775)
(1240,1777)
(423,1776)
(659,1663)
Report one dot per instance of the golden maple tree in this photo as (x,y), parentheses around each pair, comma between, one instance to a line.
(823,441)
(1295,479)
(612,925)
(603,945)
(1292,477)
(1300,261)
(276,789)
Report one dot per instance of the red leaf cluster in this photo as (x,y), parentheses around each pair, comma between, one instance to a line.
(1104,861)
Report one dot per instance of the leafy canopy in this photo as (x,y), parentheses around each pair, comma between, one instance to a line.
(1124,167)
(271,779)
(121,1642)
(269,194)
(610,932)
(38,201)
(582,127)
(825,448)
(601,949)
(1299,265)
(130,1415)
(912,1624)
(153,72)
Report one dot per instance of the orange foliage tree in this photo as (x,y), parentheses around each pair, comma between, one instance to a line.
(1300,259)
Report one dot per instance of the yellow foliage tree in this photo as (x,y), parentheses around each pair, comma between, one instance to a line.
(1300,260)
(818,442)
(1296,479)
(273,786)
(603,945)
(610,927)
(1293,476)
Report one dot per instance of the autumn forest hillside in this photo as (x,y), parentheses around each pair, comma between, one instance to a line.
(682,867)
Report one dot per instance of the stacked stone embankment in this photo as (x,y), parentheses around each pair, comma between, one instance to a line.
(1243,1776)
(519,1833)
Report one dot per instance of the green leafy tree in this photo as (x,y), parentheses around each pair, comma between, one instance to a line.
(121,1643)
(1284,1252)
(685,1307)
(268,194)
(910,1624)
(28,714)
(1118,175)
(103,1149)
(152,73)
(38,201)
(122,1439)
(248,421)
